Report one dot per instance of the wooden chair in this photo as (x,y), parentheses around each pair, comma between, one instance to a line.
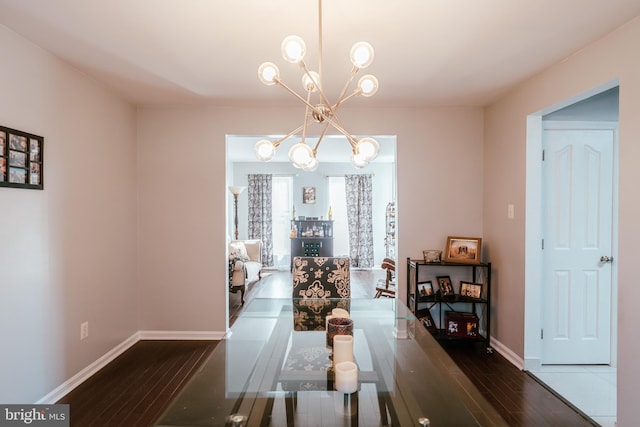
(387,286)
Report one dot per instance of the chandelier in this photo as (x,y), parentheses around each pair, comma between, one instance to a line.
(318,109)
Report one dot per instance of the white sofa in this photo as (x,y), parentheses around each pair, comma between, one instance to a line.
(245,264)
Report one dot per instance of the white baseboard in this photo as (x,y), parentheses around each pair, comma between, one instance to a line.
(182,335)
(506,352)
(73,382)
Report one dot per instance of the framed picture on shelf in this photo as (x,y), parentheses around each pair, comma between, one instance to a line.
(425,289)
(444,286)
(309,195)
(464,250)
(425,317)
(470,290)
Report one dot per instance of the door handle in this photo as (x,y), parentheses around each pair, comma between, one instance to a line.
(605,259)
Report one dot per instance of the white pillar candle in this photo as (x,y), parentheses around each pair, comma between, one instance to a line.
(340,312)
(342,349)
(346,377)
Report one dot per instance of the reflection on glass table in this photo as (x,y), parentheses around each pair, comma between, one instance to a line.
(276,369)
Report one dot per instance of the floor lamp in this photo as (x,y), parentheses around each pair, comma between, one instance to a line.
(235,190)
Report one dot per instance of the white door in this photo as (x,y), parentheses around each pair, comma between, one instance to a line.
(577,184)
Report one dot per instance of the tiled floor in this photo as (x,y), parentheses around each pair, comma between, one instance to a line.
(590,388)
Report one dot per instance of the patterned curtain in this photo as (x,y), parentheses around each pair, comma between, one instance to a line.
(260,214)
(359,219)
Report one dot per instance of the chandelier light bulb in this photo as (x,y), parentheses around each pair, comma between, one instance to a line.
(312,166)
(301,155)
(368,84)
(368,148)
(268,73)
(359,160)
(311,83)
(265,150)
(293,49)
(362,54)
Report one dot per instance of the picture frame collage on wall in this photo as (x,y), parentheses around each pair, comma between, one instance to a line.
(21,155)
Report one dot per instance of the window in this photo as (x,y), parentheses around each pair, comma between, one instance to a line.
(282,203)
(338,203)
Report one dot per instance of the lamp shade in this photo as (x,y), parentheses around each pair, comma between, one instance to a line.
(236,190)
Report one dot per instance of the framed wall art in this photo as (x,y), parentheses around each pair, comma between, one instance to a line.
(464,250)
(309,195)
(21,159)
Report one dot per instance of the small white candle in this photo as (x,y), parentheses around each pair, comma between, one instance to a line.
(340,312)
(342,349)
(346,377)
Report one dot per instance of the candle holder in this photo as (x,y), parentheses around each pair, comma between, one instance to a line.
(338,326)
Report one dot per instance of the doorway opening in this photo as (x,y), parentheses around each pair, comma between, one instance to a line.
(586,114)
(335,163)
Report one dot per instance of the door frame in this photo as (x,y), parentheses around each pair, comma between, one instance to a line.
(533,232)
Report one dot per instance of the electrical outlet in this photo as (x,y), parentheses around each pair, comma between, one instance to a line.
(84,330)
(510,211)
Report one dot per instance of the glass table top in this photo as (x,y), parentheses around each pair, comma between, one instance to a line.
(275,369)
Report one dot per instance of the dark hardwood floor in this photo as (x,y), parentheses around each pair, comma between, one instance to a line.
(134,389)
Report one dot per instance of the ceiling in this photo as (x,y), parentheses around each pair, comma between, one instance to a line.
(428,52)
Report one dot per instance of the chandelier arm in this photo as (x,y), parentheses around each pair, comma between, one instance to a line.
(355,93)
(354,70)
(322,134)
(306,115)
(277,142)
(335,124)
(320,41)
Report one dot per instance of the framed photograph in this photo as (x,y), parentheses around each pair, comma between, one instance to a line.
(17,158)
(444,286)
(425,289)
(34,150)
(470,290)
(464,250)
(424,316)
(309,195)
(17,142)
(18,175)
(21,159)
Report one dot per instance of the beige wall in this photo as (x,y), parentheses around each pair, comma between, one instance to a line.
(67,253)
(614,57)
(183,195)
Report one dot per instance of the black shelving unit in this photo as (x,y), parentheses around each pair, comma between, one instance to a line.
(311,238)
(419,271)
